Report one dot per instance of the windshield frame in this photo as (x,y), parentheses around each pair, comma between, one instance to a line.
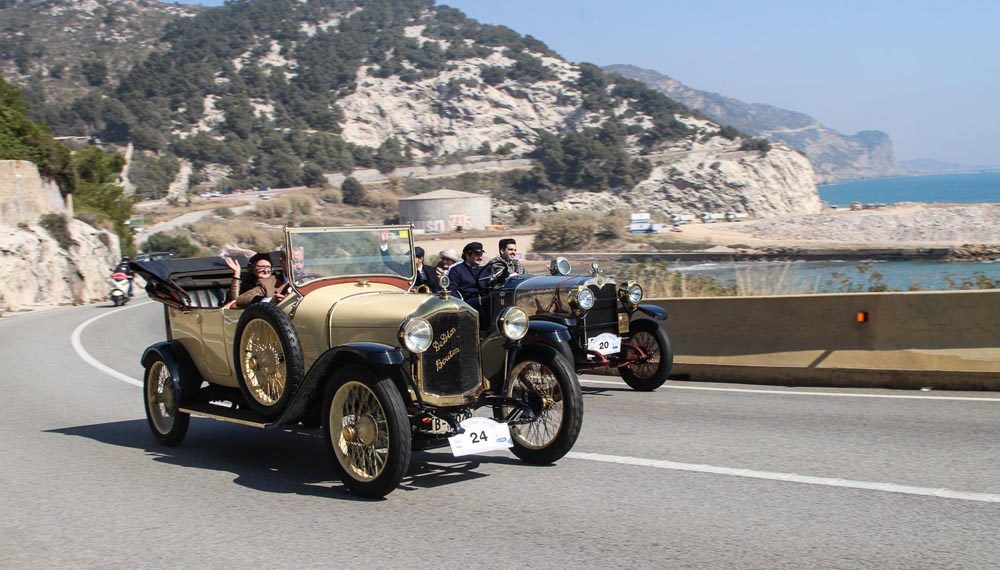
(399,230)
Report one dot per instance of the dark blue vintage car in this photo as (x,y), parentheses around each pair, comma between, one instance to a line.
(607,324)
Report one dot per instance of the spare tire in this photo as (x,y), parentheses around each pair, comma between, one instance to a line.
(267,357)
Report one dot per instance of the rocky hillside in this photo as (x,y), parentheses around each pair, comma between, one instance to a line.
(46,258)
(835,156)
(62,50)
(284,92)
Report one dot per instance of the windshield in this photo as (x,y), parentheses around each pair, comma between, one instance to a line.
(318,253)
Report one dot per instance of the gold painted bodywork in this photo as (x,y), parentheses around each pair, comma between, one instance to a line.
(332,314)
(207,336)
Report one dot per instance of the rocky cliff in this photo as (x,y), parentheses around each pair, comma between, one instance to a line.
(707,175)
(37,269)
(329,86)
(834,156)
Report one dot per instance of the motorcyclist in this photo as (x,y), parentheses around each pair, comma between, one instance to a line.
(123,267)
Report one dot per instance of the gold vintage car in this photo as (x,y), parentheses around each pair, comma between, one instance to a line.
(352,348)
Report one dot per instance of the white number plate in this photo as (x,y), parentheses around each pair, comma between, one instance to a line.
(605,343)
(439,425)
(481,435)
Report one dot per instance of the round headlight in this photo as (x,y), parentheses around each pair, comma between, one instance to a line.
(560,266)
(416,334)
(634,294)
(585,298)
(513,323)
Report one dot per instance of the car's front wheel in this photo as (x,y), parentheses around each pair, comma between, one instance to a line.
(368,431)
(544,380)
(649,346)
(161,394)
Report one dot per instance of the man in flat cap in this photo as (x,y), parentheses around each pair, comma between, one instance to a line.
(468,280)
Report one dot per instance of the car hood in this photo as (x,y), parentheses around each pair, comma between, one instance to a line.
(345,312)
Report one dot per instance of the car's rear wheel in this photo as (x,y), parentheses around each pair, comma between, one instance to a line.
(655,359)
(546,382)
(161,395)
(367,430)
(267,357)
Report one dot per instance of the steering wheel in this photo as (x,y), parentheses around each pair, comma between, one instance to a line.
(498,274)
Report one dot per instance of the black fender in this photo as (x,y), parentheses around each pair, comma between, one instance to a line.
(186,377)
(551,334)
(658,313)
(542,352)
(563,320)
(385,360)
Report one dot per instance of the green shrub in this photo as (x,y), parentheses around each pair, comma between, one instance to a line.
(763,145)
(58,227)
(353,192)
(524,215)
(565,231)
(179,245)
(224,212)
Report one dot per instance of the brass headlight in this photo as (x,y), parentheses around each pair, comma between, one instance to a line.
(582,298)
(416,334)
(630,293)
(560,266)
(513,323)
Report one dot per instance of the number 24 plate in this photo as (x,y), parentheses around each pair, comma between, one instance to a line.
(481,434)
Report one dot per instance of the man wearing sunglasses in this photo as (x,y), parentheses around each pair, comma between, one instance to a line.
(266,285)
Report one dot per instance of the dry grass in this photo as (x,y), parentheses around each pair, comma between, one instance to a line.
(165,212)
(658,280)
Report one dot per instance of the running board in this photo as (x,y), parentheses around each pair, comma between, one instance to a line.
(227,414)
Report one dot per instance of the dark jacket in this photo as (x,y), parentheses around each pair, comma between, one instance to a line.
(468,283)
(427,275)
(123,267)
(512,266)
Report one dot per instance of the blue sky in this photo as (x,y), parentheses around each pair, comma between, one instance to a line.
(927,73)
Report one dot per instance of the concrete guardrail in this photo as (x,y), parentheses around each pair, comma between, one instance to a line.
(941,339)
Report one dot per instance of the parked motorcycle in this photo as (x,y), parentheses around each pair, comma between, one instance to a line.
(120,285)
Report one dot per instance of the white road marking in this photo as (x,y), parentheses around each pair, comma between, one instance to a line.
(794,393)
(790,477)
(74,340)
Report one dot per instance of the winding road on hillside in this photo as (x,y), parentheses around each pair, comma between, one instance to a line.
(690,476)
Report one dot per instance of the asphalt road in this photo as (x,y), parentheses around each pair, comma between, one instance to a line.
(690,476)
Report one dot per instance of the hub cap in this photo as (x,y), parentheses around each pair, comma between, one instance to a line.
(359,430)
(263,362)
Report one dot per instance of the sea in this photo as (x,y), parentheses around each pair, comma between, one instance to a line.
(841,276)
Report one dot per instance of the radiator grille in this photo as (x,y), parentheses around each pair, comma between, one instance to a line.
(450,367)
(603,317)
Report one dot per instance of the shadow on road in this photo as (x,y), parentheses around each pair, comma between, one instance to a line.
(602,391)
(275,461)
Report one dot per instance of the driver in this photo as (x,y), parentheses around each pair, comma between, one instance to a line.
(507,258)
(469,280)
(298,262)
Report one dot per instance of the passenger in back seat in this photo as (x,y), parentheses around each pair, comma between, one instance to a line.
(266,285)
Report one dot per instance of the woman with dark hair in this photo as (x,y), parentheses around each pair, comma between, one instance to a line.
(266,285)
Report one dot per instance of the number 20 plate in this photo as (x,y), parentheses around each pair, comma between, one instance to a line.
(605,343)
(481,435)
